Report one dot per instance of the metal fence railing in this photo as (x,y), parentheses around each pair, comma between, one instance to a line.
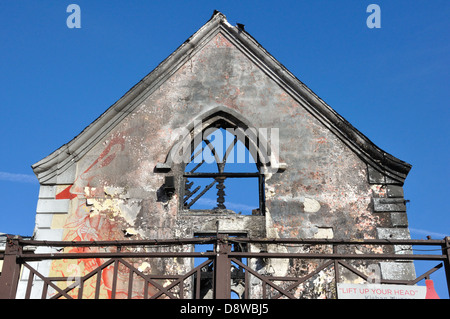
(224,268)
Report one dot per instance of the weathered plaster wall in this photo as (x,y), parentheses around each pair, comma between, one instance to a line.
(325,185)
(326,190)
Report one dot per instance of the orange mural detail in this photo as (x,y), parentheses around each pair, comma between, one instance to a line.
(84,225)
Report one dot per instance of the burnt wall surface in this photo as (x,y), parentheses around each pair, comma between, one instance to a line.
(325,185)
(325,190)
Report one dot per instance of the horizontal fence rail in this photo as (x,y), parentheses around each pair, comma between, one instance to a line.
(175,268)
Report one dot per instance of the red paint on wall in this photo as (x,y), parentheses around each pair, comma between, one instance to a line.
(66,194)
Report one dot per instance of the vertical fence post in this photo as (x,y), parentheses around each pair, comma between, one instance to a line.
(222,269)
(336,271)
(11,268)
(446,252)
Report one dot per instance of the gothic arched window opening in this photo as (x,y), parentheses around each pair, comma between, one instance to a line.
(223,175)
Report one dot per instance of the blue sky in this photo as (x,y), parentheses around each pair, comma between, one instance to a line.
(391,83)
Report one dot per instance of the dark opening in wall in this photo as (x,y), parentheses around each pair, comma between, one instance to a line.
(204,280)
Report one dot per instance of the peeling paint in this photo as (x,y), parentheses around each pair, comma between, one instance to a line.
(311,205)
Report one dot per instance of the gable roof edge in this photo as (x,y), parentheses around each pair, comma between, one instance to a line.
(64,157)
(352,137)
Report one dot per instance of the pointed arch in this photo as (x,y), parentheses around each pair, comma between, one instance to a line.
(198,137)
(255,139)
